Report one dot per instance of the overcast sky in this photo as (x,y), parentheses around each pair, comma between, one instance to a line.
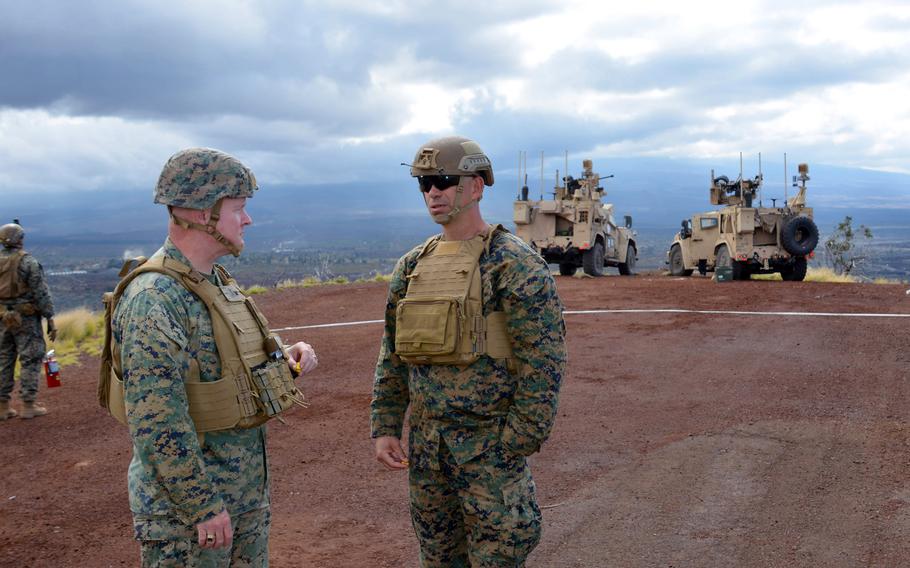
(96,94)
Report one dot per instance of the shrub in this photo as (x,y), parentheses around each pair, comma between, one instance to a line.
(77,325)
(812,275)
(255,289)
(828,275)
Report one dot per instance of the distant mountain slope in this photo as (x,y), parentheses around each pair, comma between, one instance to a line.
(657,192)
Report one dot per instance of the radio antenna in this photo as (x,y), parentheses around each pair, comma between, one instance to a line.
(785,178)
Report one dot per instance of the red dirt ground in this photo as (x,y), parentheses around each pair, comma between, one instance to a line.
(683,440)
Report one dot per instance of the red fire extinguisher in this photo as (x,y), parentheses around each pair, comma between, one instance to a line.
(52,369)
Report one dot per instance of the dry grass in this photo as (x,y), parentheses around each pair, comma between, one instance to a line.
(827,275)
(78,331)
(888,281)
(311,281)
(307,282)
(255,289)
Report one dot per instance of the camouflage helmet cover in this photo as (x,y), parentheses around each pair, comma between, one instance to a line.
(197,178)
(453,156)
(11,235)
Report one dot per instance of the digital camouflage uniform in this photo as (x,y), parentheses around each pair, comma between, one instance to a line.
(27,339)
(472,497)
(175,480)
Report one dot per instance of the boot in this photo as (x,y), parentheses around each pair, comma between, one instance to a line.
(6,411)
(32,409)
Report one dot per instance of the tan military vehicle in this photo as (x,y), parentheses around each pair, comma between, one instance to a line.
(745,239)
(575,229)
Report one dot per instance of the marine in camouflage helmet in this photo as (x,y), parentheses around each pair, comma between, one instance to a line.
(471,424)
(24,300)
(199,178)
(11,235)
(446,161)
(197,500)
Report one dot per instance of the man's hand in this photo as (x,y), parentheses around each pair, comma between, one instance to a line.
(216,532)
(51,330)
(389,452)
(301,358)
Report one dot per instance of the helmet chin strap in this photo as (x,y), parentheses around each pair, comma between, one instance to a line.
(446,218)
(209,228)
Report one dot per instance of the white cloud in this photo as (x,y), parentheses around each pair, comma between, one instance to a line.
(98,95)
(40,151)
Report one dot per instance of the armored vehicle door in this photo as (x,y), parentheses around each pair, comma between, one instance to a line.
(705,232)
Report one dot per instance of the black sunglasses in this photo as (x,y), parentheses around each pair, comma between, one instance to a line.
(442,183)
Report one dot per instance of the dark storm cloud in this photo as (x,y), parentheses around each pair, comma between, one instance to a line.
(299,62)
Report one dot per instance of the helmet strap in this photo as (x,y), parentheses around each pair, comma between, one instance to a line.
(447,218)
(209,228)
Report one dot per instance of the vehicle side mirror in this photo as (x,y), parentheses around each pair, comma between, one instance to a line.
(628,219)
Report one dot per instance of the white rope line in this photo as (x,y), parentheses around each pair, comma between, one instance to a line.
(341,324)
(646,311)
(737,313)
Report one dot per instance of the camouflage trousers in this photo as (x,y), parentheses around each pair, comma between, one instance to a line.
(482,513)
(179,547)
(25,342)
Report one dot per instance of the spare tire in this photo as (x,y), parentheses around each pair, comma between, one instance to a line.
(799,236)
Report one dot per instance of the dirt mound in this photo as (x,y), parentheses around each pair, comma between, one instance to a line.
(683,438)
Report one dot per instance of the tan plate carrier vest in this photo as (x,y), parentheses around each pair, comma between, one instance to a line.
(255,383)
(11,286)
(11,289)
(440,320)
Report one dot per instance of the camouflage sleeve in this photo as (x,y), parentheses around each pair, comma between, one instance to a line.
(154,361)
(536,325)
(390,382)
(37,284)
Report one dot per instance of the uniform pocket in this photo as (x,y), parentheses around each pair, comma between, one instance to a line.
(426,326)
(520,501)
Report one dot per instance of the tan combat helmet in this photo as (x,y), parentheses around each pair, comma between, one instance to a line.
(452,156)
(199,178)
(11,235)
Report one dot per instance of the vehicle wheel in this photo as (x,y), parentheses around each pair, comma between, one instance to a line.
(627,268)
(677,266)
(593,260)
(567,269)
(795,271)
(799,236)
(723,259)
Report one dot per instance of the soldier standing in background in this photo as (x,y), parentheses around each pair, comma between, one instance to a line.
(474,343)
(24,300)
(198,481)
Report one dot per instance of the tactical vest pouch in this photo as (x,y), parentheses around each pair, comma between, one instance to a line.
(427,326)
(27,309)
(11,319)
(276,391)
(440,320)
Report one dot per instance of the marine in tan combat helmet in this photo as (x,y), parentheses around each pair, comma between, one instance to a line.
(482,396)
(24,300)
(195,397)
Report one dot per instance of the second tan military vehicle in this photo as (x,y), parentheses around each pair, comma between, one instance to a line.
(575,228)
(745,239)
